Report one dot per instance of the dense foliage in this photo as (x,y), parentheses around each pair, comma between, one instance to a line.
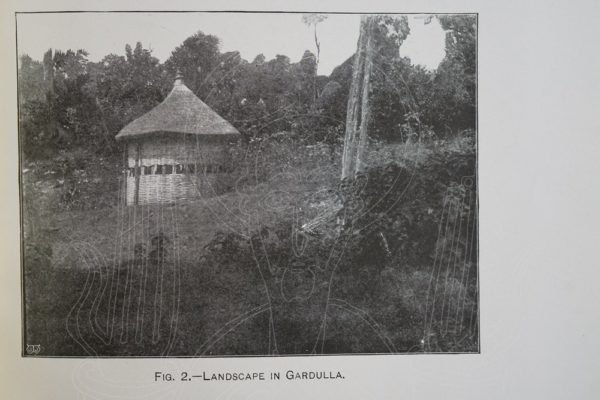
(67,101)
(406,255)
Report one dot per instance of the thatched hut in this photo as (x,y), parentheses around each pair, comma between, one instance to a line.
(177,150)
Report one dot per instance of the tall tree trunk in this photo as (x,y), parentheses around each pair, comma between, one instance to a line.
(365,117)
(318,46)
(358,111)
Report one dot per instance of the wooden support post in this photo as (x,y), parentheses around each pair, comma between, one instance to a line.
(137,171)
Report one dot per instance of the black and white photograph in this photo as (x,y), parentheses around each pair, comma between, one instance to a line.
(229,184)
(299,199)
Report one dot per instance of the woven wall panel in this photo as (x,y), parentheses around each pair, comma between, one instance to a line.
(174,152)
(173,187)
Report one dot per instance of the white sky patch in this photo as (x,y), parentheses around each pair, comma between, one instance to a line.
(426,43)
(249,33)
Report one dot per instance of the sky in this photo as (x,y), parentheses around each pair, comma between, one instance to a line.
(249,33)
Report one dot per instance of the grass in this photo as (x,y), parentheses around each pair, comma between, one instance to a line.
(74,255)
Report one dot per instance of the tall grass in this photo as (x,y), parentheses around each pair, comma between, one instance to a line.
(376,292)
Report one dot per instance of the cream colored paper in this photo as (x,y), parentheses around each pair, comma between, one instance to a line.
(539,138)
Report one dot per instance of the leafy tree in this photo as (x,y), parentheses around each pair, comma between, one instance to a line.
(306,83)
(313,20)
(453,101)
(65,100)
(123,88)
(56,113)
(407,101)
(35,114)
(401,99)
(31,80)
(259,59)
(196,58)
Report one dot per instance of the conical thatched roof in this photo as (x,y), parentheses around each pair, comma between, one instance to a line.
(180,112)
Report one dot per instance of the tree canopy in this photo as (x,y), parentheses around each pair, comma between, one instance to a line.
(66,100)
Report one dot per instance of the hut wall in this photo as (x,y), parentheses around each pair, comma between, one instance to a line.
(174,170)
